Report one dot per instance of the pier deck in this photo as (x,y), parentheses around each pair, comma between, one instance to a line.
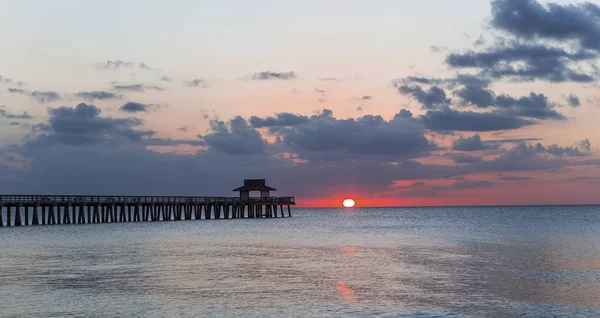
(21,210)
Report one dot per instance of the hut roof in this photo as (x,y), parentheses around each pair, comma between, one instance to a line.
(254,185)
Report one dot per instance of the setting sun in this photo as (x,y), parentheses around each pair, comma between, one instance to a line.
(348,203)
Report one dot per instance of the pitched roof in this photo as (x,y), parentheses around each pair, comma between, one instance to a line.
(254,185)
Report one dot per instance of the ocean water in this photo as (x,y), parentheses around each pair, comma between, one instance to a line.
(388,262)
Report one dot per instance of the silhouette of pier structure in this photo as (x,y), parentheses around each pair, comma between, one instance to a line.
(20,210)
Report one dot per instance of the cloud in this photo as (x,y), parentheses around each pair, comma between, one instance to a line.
(525,62)
(404,113)
(448,119)
(118,64)
(320,91)
(268,75)
(184,128)
(235,138)
(6,114)
(136,87)
(40,96)
(533,106)
(195,83)
(468,144)
(133,107)
(573,101)
(83,126)
(433,98)
(359,109)
(438,49)
(475,95)
(280,119)
(460,158)
(532,20)
(6,80)
(165,78)
(97,95)
(330,79)
(326,138)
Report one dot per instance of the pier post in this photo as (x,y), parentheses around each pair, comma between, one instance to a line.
(1,211)
(44,208)
(18,216)
(289,211)
(8,215)
(26,208)
(35,219)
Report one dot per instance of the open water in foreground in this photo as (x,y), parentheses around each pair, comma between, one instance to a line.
(393,262)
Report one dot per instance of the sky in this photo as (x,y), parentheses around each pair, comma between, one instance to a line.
(392,103)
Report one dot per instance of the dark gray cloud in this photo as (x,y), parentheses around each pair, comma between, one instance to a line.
(468,144)
(573,101)
(235,138)
(460,158)
(133,107)
(530,19)
(268,75)
(40,96)
(280,119)
(83,125)
(136,87)
(359,109)
(165,78)
(367,97)
(97,95)
(475,95)
(320,91)
(184,128)
(335,154)
(6,80)
(404,113)
(118,64)
(525,62)
(452,120)
(532,106)
(326,138)
(433,98)
(195,83)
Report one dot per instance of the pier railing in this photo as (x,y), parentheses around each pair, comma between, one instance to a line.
(94,199)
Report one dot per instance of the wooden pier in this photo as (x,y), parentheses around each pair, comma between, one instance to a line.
(20,210)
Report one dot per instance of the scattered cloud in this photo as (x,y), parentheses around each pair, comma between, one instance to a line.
(165,78)
(133,107)
(119,64)
(195,83)
(97,95)
(8,115)
(268,75)
(367,97)
(136,87)
(40,96)
(573,101)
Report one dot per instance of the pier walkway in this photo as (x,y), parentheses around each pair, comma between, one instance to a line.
(18,210)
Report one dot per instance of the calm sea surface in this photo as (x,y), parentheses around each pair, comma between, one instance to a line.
(400,262)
